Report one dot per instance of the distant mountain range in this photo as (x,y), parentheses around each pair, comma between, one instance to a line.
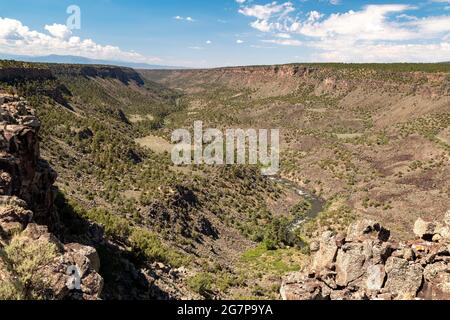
(82,60)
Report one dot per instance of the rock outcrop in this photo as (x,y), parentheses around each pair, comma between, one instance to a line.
(33,262)
(364,264)
(22,172)
(24,73)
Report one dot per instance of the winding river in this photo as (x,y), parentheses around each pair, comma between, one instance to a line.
(317,203)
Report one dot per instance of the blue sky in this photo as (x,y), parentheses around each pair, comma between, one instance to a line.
(208,33)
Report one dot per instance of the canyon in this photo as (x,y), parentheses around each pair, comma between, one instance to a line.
(369,142)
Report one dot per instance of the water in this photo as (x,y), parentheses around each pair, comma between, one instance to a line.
(317,203)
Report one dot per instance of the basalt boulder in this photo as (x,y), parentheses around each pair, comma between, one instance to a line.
(366,265)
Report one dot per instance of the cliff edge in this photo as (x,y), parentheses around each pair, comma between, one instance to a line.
(34,264)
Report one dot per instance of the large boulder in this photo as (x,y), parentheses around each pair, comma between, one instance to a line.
(437,282)
(349,264)
(84,251)
(14,216)
(301,288)
(325,257)
(376,276)
(425,229)
(403,279)
(367,229)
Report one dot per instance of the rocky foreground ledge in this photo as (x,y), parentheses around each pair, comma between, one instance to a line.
(34,264)
(364,264)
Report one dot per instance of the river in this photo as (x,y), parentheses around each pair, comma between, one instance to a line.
(317,203)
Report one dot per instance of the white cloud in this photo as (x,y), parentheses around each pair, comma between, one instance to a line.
(336,52)
(239,41)
(431,26)
(208,42)
(188,19)
(18,39)
(263,25)
(269,17)
(370,34)
(265,12)
(240,1)
(368,24)
(284,42)
(313,16)
(59,30)
(283,35)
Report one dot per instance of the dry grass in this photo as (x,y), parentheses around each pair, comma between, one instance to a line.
(136,118)
(156,144)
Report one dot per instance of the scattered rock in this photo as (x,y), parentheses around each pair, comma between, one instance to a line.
(408,254)
(447,218)
(366,265)
(314,246)
(444,232)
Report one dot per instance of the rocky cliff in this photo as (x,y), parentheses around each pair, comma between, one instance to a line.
(24,73)
(122,74)
(334,80)
(34,264)
(364,264)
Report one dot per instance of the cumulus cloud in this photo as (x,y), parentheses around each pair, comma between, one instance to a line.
(383,52)
(265,12)
(367,24)
(269,17)
(16,38)
(385,32)
(58,30)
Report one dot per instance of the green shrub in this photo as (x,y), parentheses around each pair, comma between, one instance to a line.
(202,284)
(24,259)
(146,244)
